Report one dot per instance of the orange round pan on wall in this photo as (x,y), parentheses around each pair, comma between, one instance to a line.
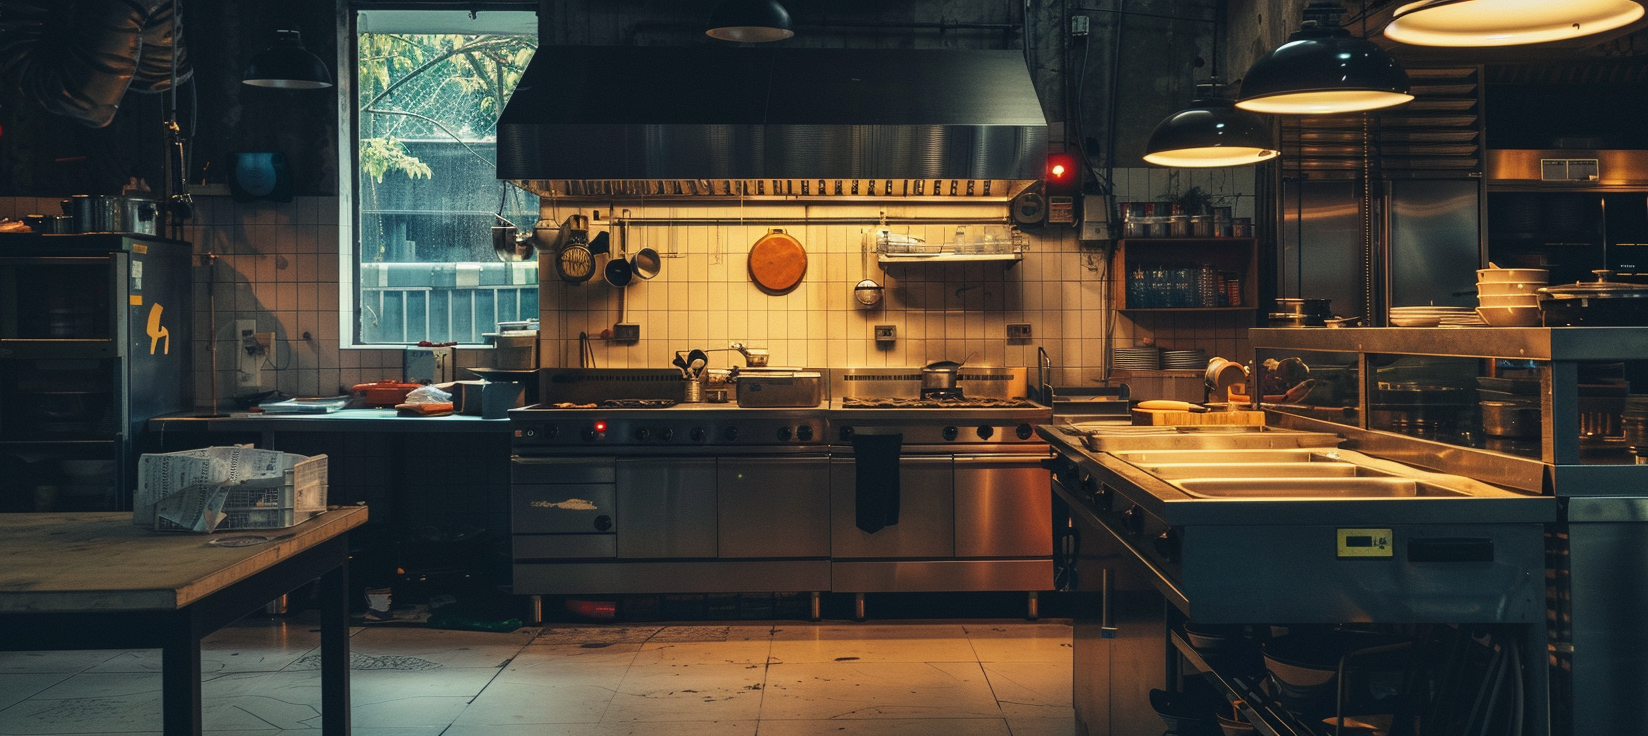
(777,262)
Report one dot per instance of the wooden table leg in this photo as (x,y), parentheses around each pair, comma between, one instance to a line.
(180,675)
(334,651)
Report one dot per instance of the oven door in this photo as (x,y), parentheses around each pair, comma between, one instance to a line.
(1003,508)
(926,517)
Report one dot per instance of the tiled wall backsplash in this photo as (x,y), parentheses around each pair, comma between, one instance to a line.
(278,264)
(704,297)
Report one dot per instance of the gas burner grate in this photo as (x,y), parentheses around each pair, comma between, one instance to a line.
(855,402)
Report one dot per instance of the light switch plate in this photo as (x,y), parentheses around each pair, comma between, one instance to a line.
(886,333)
(1018,331)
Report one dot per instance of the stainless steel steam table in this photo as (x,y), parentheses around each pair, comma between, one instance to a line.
(96,581)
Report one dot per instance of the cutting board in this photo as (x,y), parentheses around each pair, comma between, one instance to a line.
(777,262)
(1160,417)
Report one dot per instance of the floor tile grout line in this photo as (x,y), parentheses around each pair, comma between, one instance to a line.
(766,674)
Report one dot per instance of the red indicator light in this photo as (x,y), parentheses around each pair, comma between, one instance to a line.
(600,426)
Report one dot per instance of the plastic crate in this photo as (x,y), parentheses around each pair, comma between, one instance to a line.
(270,504)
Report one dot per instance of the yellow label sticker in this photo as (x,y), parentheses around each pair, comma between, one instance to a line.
(139,248)
(1365,543)
(136,300)
(157,331)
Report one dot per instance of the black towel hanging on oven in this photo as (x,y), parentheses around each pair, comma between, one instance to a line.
(875,491)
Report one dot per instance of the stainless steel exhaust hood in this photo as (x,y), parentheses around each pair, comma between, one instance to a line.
(609,121)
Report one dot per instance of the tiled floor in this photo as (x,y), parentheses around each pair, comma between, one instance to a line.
(791,678)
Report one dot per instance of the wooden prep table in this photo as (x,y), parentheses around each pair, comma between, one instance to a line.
(97,581)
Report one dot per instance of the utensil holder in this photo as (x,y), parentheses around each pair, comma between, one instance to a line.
(694,392)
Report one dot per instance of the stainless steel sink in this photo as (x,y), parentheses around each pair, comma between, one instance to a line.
(1183,471)
(1303,455)
(1326,488)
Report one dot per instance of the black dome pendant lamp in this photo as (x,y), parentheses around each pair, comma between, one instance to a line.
(287,65)
(754,21)
(1209,133)
(1323,70)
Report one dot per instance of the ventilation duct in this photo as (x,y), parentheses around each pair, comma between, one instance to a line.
(78,59)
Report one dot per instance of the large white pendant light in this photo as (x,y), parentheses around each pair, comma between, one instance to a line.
(1210,133)
(1507,22)
(1323,70)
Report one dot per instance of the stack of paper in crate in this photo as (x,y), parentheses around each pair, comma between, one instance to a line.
(221,488)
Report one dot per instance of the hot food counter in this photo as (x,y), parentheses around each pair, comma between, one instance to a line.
(1474,492)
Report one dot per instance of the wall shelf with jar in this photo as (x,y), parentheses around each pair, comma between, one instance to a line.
(1185,274)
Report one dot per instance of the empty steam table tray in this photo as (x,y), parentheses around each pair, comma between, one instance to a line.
(97,581)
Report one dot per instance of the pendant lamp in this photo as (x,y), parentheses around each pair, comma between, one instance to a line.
(1323,70)
(1507,22)
(1211,132)
(755,21)
(287,65)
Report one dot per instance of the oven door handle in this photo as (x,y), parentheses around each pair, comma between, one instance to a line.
(1004,459)
(518,460)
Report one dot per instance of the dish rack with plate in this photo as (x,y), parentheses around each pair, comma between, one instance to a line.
(966,243)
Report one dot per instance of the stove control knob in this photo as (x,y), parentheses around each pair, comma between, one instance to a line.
(1167,545)
(642,434)
(666,434)
(846,434)
(986,432)
(697,434)
(804,433)
(551,431)
(1133,519)
(1024,431)
(589,434)
(783,434)
(529,433)
(730,433)
(950,433)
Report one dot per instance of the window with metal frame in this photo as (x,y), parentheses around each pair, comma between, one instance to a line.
(428,88)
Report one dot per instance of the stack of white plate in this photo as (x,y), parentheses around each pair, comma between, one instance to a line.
(1429,316)
(1137,359)
(1184,359)
(1509,297)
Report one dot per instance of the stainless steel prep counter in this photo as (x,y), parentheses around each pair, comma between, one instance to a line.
(346,420)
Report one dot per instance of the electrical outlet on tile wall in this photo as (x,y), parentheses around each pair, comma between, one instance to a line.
(886,333)
(1018,331)
(249,354)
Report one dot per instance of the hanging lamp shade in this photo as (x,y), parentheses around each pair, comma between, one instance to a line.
(1211,132)
(755,21)
(287,65)
(1323,70)
(1507,22)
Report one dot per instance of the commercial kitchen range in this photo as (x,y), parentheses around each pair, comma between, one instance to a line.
(1393,497)
(872,489)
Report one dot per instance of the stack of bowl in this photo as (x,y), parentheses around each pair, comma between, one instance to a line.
(1508,297)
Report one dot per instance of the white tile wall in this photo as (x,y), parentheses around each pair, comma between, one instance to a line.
(277,264)
(704,297)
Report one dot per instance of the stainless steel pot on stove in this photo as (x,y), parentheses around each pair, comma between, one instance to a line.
(941,375)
